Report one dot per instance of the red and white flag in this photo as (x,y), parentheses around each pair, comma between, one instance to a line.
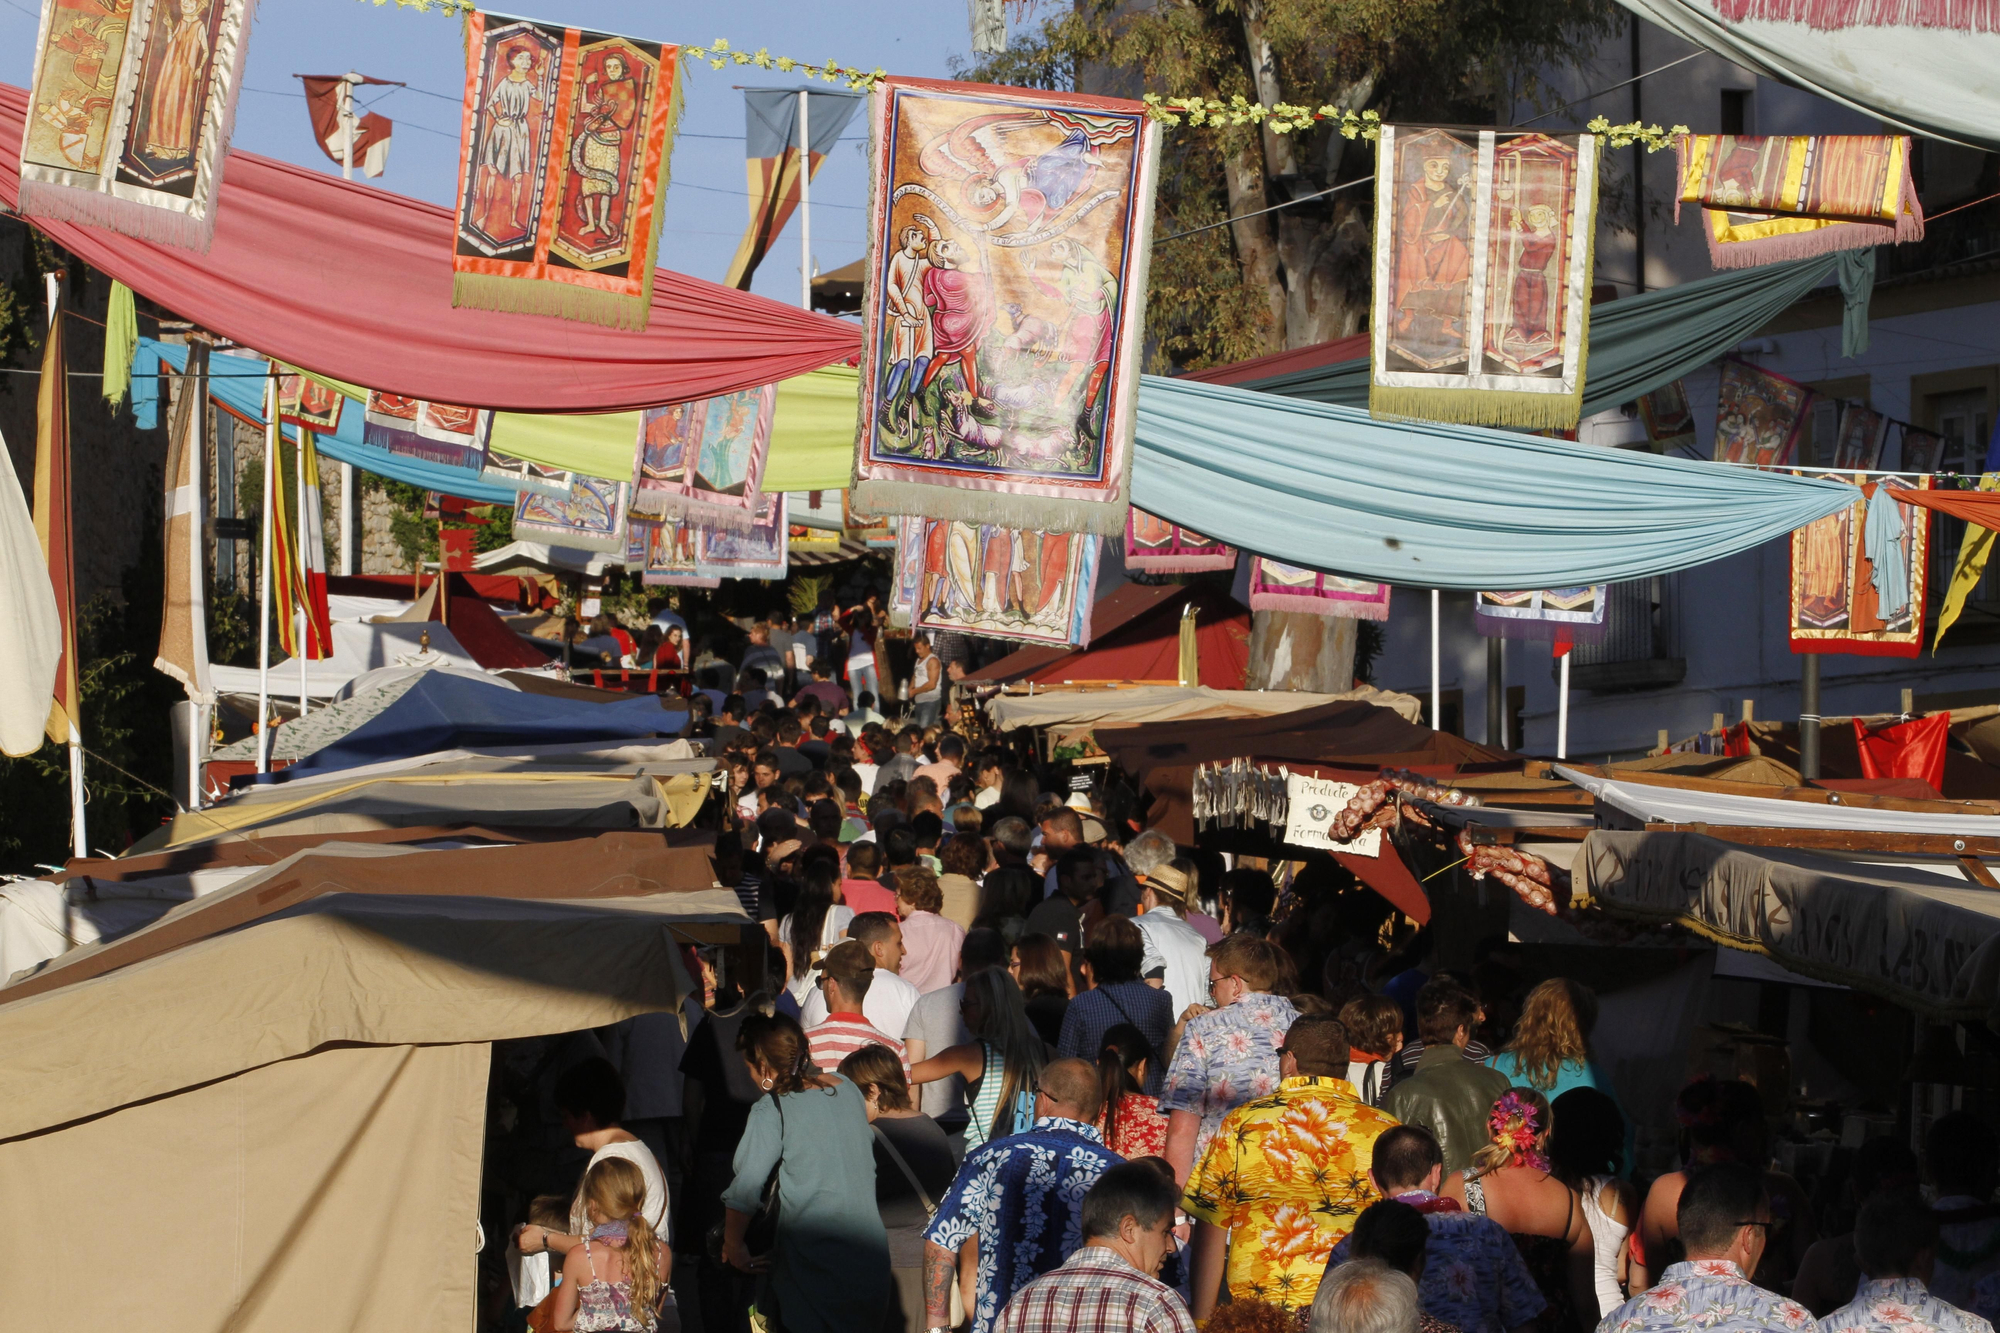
(330,97)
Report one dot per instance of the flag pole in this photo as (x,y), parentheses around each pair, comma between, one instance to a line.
(346,105)
(79,835)
(198,549)
(805,206)
(271,462)
(1562,712)
(298,563)
(1437,711)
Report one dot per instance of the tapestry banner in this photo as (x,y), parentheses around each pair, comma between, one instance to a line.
(590,516)
(662,554)
(1482,275)
(306,402)
(1276,586)
(1858,576)
(704,460)
(873,531)
(1669,420)
(435,432)
(1757,415)
(1770,198)
(1155,546)
(1004,582)
(756,552)
(1552,615)
(1858,443)
(507,470)
(563,163)
(130,114)
(1009,231)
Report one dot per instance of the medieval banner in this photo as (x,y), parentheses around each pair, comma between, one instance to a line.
(1668,418)
(1009,234)
(1858,576)
(663,554)
(305,401)
(1276,586)
(563,161)
(436,432)
(757,552)
(525,476)
(704,460)
(1773,198)
(1482,275)
(590,516)
(130,114)
(980,579)
(873,531)
(1552,615)
(1858,444)
(1757,415)
(1155,546)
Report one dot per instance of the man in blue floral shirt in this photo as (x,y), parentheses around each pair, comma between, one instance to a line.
(1228,1055)
(1896,1242)
(1474,1277)
(1016,1208)
(1724,1216)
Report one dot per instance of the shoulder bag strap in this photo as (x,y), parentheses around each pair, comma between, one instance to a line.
(923,1194)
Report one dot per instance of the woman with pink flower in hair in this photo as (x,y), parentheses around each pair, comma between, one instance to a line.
(1510,1182)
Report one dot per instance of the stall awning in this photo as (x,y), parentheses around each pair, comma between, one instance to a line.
(1173,703)
(1135,635)
(1690,805)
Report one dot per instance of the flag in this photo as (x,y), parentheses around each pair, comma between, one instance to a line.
(183,615)
(299,553)
(1973,552)
(53,531)
(30,628)
(771,142)
(328,96)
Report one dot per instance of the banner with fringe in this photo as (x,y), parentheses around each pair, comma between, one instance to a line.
(435,432)
(978,578)
(1772,198)
(756,552)
(1829,15)
(1483,252)
(662,554)
(1551,615)
(306,402)
(522,475)
(1155,546)
(130,114)
(563,164)
(590,516)
(1758,414)
(875,532)
(1276,586)
(1858,577)
(704,460)
(1009,233)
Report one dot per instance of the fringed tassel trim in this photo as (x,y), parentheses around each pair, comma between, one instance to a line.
(1477,407)
(1318,606)
(1030,513)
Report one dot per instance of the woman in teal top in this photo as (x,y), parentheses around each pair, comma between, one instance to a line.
(828,1267)
(1550,1051)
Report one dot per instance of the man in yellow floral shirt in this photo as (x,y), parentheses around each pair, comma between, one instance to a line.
(1285,1177)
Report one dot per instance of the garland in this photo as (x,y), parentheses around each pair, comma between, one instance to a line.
(1624,136)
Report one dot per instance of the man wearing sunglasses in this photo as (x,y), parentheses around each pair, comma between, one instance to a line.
(1724,1217)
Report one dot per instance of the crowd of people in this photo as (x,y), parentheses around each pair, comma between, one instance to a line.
(1019,1066)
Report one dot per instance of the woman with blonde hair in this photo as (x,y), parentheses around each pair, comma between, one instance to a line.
(1550,1051)
(614,1285)
(1510,1181)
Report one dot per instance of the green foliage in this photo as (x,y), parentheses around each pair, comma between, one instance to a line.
(807,591)
(23,301)
(416,536)
(232,629)
(1369,639)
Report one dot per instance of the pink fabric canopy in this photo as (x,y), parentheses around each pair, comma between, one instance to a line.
(355,283)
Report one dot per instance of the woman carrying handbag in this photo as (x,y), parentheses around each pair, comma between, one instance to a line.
(827,1266)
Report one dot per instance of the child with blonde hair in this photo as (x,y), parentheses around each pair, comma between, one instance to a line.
(613,1281)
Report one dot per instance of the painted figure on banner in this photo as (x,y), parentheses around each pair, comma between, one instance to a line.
(706,457)
(78,75)
(910,336)
(511,136)
(1921,449)
(1667,415)
(607,103)
(1757,415)
(986,579)
(1534,177)
(1433,265)
(304,401)
(758,551)
(1858,577)
(1859,443)
(174,110)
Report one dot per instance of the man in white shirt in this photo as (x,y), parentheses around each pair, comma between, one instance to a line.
(1174,949)
(890,998)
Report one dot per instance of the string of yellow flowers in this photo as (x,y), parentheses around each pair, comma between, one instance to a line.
(1624,136)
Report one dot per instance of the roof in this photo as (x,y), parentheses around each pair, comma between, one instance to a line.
(1171,703)
(1284,363)
(1689,804)
(1135,635)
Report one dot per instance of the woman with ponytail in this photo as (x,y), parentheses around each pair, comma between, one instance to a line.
(1132,1125)
(1510,1181)
(614,1277)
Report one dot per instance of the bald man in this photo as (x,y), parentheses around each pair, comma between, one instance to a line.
(981,1230)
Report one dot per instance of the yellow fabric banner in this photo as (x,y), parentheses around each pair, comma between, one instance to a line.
(1972,555)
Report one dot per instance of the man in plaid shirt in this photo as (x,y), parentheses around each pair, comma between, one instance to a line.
(1108,1286)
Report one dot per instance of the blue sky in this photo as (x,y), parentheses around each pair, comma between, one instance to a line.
(706,208)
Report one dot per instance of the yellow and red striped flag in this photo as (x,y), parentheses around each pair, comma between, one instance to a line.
(298,550)
(53,523)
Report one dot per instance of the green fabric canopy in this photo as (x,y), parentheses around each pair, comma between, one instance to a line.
(1637,343)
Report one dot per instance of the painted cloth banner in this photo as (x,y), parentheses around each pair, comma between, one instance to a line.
(663,554)
(590,516)
(1858,576)
(1009,236)
(331,96)
(771,145)
(981,579)
(563,162)
(1482,275)
(1920,450)
(705,460)
(1981,512)
(874,532)
(130,115)
(183,651)
(507,470)
(1858,443)
(55,521)
(1156,546)
(805,539)
(1773,198)
(1757,415)
(1552,615)
(304,401)
(757,552)
(435,432)
(298,554)
(1669,420)
(1276,586)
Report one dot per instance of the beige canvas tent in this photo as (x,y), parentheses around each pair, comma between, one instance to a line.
(282,1124)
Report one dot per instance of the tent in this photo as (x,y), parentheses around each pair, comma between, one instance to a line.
(1172,703)
(312,1089)
(1135,636)
(474,624)
(357,648)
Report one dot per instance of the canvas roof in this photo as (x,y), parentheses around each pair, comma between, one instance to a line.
(1683,804)
(1135,635)
(1172,703)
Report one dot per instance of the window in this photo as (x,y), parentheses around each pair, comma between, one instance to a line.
(1819,439)
(1736,111)
(1641,647)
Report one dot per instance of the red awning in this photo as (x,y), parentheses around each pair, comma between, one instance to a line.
(1135,635)
(355,282)
(1284,363)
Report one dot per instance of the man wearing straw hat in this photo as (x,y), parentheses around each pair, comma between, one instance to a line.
(1175,951)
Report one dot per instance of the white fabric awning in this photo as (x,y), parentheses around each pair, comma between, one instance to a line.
(1173,703)
(1680,805)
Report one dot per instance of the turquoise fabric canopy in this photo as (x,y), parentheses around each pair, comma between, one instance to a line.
(1437,506)
(1637,343)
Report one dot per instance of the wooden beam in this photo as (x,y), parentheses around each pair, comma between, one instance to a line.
(1810,795)
(1976,871)
(1491,835)
(1842,840)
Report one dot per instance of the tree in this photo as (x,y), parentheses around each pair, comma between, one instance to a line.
(1300,274)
